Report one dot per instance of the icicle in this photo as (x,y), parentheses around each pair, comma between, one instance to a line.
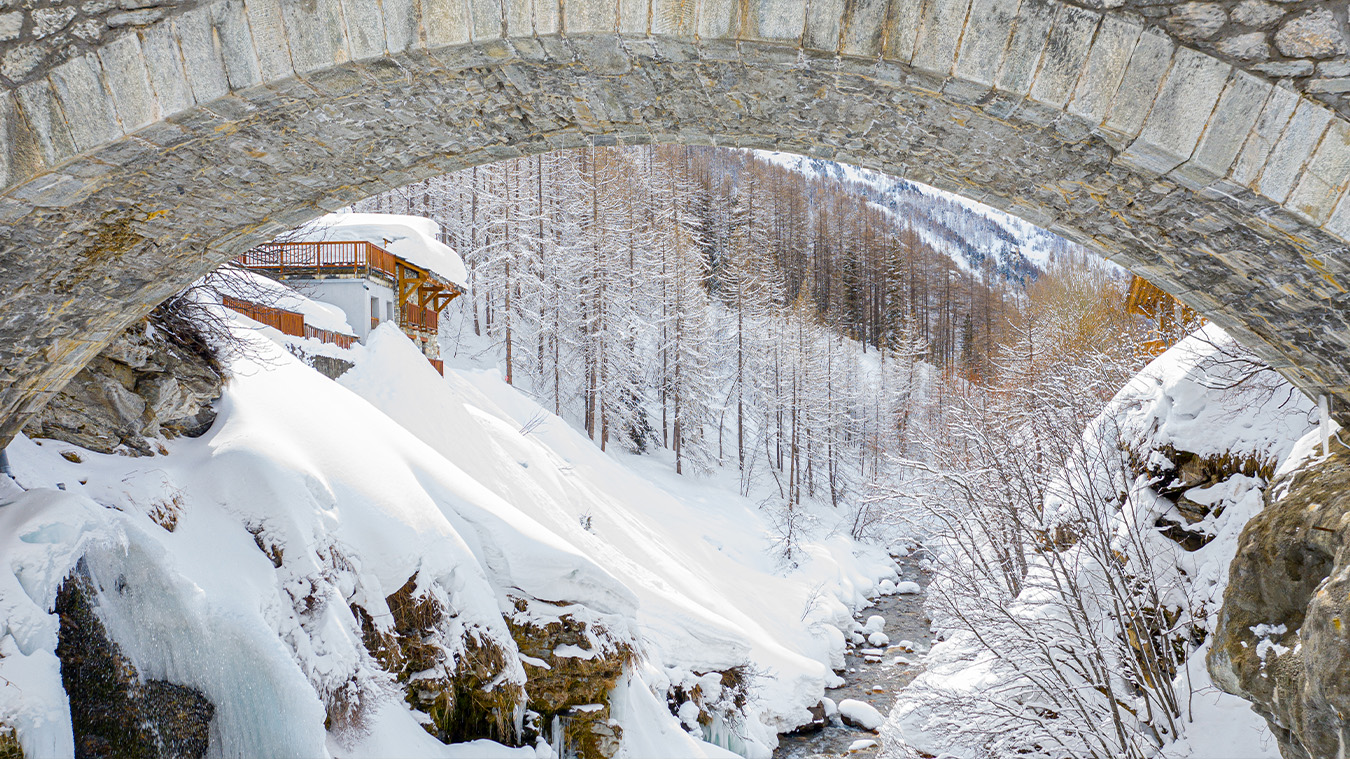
(1324,429)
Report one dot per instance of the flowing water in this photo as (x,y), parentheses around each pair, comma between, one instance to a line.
(869,677)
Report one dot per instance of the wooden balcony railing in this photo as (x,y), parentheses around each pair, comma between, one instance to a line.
(288,322)
(317,258)
(418,317)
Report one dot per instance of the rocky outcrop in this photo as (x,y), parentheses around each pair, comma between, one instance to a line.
(113,712)
(463,687)
(143,388)
(1284,632)
(572,663)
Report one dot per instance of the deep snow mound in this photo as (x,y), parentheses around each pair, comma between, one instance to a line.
(392,564)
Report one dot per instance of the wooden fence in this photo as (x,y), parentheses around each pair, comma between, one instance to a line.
(288,322)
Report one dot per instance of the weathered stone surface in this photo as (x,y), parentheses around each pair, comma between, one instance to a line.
(1197,21)
(1281,69)
(1245,47)
(343,130)
(1315,34)
(1281,641)
(1257,14)
(140,390)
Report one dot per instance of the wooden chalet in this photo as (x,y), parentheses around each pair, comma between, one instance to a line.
(370,284)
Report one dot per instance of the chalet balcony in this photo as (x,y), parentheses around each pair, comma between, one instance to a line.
(419,318)
(321,259)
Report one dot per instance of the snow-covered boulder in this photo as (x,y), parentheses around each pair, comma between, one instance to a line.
(875,624)
(860,714)
(878,639)
(908,588)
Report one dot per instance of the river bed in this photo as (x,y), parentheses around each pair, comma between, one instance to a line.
(875,679)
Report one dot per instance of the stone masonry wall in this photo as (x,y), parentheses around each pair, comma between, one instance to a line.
(1302,44)
(136,169)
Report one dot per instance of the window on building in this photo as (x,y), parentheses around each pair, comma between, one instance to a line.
(389,310)
(374,311)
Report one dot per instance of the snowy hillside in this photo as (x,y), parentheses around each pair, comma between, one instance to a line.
(972,234)
(269,565)
(1099,650)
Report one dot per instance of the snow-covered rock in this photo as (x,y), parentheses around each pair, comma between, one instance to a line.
(908,588)
(879,639)
(860,714)
(875,624)
(886,588)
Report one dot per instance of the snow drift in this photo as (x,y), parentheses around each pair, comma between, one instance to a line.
(254,563)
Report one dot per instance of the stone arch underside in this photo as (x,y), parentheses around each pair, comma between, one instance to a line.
(135,168)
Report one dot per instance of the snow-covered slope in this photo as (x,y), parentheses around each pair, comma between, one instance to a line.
(309,498)
(968,232)
(1205,426)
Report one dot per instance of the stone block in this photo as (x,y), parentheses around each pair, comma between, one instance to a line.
(270,43)
(519,18)
(590,16)
(446,22)
(317,37)
(201,58)
(128,82)
(1233,119)
(1104,69)
(1269,125)
(1338,223)
(901,30)
(1315,34)
(400,24)
(1245,47)
(777,20)
(488,18)
(1065,53)
(1030,31)
(717,19)
(236,44)
(1179,114)
(940,26)
(675,18)
(1295,145)
(986,38)
(823,19)
(365,28)
(85,103)
(634,17)
(863,27)
(1149,64)
(1325,178)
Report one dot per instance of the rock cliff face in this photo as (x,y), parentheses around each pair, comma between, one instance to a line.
(1284,632)
(114,712)
(141,389)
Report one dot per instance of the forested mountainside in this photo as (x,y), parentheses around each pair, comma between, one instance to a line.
(876,258)
(977,237)
(741,313)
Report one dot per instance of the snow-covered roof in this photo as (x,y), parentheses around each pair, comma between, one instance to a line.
(317,313)
(412,238)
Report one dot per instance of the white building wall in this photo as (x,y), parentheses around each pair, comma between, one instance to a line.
(353,296)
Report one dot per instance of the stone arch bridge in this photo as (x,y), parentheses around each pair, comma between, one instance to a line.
(1203,145)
